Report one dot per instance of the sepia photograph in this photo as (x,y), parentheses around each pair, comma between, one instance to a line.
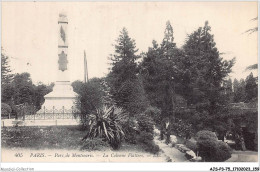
(158,82)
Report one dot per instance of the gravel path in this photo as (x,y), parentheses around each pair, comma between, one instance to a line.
(170,152)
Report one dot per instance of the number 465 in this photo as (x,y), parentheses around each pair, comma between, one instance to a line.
(18,155)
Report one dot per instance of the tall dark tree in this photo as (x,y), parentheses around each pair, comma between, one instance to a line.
(6,78)
(208,68)
(23,87)
(39,92)
(21,90)
(126,86)
(228,90)
(251,87)
(6,75)
(208,71)
(160,70)
(239,91)
(89,95)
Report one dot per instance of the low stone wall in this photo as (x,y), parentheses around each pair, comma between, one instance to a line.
(57,122)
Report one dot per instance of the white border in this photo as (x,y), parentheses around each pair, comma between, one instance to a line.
(193,166)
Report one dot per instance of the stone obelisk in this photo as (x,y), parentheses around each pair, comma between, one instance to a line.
(62,95)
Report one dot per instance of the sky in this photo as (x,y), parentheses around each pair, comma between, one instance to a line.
(30,32)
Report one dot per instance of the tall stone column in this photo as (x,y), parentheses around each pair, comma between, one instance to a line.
(62,95)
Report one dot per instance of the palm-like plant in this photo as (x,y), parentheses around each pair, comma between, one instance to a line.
(106,123)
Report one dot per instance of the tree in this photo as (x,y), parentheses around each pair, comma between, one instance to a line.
(21,90)
(39,92)
(228,90)
(5,110)
(251,87)
(6,78)
(161,72)
(89,95)
(252,30)
(77,86)
(208,72)
(252,67)
(239,91)
(6,75)
(126,86)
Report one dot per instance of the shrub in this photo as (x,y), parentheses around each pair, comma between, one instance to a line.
(154,113)
(210,149)
(151,147)
(5,110)
(223,152)
(145,137)
(181,128)
(145,123)
(146,134)
(89,96)
(130,130)
(191,145)
(106,123)
(94,144)
(205,134)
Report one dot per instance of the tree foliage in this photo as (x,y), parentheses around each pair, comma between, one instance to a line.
(89,95)
(208,73)
(195,72)
(126,86)
(5,110)
(210,149)
(251,87)
(6,76)
(162,72)
(21,90)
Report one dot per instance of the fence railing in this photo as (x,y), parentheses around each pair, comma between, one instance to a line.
(48,114)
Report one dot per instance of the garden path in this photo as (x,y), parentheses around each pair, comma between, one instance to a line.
(171,153)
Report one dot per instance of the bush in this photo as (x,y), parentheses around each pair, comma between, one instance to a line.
(191,145)
(5,110)
(145,137)
(130,130)
(223,152)
(210,149)
(151,147)
(181,128)
(205,134)
(106,123)
(146,134)
(89,96)
(145,123)
(94,144)
(154,113)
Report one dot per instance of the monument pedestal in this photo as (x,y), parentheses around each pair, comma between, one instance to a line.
(61,96)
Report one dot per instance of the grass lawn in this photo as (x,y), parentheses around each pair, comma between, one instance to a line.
(51,137)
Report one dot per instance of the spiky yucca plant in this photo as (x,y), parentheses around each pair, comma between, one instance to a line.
(106,123)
